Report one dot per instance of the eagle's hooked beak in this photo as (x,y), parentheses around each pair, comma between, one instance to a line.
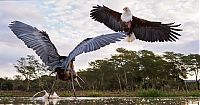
(125,8)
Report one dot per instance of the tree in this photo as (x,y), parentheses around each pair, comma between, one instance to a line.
(134,70)
(29,68)
(18,83)
(192,63)
(126,65)
(152,68)
(40,70)
(7,84)
(174,65)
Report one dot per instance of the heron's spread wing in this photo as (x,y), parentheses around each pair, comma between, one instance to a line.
(109,17)
(154,31)
(92,44)
(37,40)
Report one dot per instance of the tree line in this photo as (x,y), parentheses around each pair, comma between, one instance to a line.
(125,70)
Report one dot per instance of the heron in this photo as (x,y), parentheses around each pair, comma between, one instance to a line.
(62,66)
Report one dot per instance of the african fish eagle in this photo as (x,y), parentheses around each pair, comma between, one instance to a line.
(135,28)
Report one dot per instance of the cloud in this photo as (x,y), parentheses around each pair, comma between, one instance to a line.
(11,48)
(74,17)
(10,11)
(67,22)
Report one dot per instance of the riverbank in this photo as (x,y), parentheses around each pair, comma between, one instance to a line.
(137,93)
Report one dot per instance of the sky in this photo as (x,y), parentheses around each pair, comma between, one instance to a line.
(68,22)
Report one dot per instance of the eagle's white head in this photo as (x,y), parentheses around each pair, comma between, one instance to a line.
(126,9)
(127,15)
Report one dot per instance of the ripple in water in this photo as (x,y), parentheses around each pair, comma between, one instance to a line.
(100,101)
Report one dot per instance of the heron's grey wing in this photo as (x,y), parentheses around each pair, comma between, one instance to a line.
(92,44)
(37,40)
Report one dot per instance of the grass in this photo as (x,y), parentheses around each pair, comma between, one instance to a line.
(16,94)
(90,93)
(151,93)
(158,93)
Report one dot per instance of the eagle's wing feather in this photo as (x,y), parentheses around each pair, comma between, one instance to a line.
(154,31)
(37,40)
(92,44)
(109,17)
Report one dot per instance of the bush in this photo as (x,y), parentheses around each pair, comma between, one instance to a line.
(150,93)
(94,94)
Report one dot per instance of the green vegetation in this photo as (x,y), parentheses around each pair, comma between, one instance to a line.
(137,93)
(151,93)
(127,73)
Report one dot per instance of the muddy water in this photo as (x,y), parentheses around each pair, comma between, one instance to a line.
(100,101)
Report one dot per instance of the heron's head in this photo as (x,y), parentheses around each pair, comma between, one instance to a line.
(69,76)
(65,75)
(126,9)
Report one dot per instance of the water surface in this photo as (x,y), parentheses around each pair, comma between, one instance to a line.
(100,101)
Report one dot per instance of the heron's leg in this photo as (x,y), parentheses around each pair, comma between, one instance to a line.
(80,78)
(71,74)
(52,86)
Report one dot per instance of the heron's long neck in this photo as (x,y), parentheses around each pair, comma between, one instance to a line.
(71,65)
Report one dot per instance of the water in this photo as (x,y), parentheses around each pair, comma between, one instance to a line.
(100,101)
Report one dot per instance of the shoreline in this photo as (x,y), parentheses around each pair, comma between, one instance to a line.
(91,93)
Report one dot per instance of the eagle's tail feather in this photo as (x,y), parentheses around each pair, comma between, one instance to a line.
(130,37)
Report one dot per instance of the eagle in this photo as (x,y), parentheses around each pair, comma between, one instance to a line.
(63,66)
(135,28)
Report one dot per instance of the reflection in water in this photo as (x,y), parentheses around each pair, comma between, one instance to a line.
(46,95)
(47,101)
(100,101)
(47,98)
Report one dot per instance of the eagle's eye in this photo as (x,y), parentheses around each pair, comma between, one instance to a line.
(125,9)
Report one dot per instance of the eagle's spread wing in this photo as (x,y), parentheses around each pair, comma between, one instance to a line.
(37,40)
(109,17)
(143,29)
(154,31)
(92,44)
